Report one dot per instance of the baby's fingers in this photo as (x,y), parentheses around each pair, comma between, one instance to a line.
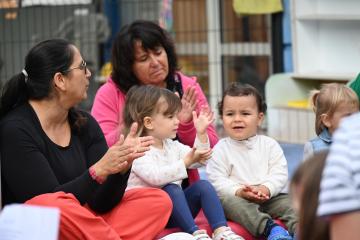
(206,155)
(248,195)
(247,188)
(205,151)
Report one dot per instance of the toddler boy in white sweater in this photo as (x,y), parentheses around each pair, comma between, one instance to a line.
(248,170)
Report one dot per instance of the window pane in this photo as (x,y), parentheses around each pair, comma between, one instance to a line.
(190,21)
(253,70)
(242,28)
(196,66)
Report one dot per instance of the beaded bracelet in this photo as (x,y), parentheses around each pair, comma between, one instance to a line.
(93,175)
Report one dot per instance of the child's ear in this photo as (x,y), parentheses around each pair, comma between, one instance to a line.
(326,120)
(260,118)
(148,123)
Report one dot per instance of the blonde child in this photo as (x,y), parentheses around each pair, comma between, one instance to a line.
(248,170)
(164,165)
(331,103)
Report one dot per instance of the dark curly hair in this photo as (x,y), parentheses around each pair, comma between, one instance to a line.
(239,90)
(151,35)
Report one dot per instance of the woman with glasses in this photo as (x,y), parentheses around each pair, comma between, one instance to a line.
(55,155)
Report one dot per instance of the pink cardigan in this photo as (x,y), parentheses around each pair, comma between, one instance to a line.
(108,108)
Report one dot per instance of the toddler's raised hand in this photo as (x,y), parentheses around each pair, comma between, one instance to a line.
(205,118)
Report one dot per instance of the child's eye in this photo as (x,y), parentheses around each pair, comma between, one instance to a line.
(229,114)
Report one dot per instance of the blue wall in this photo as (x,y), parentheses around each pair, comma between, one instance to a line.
(287,46)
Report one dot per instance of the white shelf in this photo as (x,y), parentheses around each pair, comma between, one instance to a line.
(326,39)
(327,7)
(326,48)
(324,77)
(328,17)
(284,107)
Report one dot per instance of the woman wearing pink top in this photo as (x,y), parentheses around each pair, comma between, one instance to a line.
(144,53)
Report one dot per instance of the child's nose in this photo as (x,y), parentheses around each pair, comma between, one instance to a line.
(238,117)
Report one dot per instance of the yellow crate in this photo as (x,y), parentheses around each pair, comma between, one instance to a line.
(298,104)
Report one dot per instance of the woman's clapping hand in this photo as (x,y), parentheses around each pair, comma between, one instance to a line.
(188,102)
(120,156)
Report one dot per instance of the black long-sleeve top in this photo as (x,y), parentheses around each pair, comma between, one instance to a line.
(31,164)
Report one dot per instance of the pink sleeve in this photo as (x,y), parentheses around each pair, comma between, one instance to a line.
(187,131)
(107,110)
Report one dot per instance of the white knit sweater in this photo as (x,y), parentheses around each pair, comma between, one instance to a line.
(257,160)
(162,166)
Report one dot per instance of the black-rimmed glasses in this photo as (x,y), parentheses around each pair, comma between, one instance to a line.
(81,67)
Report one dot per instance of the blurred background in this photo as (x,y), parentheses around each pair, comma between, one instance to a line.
(284,48)
(219,41)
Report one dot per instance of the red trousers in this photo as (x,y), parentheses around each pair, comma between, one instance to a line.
(141,214)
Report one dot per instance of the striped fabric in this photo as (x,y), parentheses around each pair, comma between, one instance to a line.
(340,184)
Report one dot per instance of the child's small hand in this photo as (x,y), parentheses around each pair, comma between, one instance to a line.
(247,193)
(252,194)
(196,155)
(263,190)
(201,156)
(205,118)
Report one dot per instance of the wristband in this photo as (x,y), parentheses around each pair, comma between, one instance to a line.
(93,175)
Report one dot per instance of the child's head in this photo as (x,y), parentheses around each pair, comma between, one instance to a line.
(331,103)
(304,192)
(242,110)
(152,108)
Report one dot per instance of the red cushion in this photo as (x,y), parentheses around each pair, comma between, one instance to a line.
(202,222)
